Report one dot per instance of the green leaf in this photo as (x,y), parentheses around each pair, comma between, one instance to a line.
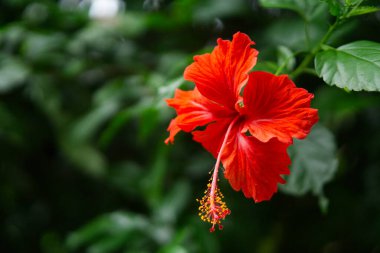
(175,246)
(88,124)
(89,159)
(267,66)
(305,8)
(127,177)
(114,126)
(349,8)
(37,47)
(174,202)
(354,66)
(167,91)
(335,7)
(108,232)
(285,60)
(154,181)
(361,10)
(147,123)
(313,163)
(13,73)
(293,29)
(209,10)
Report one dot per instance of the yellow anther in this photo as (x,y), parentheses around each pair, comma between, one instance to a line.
(212,207)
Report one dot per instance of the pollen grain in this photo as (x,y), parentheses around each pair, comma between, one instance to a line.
(212,208)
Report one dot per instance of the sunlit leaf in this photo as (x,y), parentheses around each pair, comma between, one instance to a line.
(13,73)
(361,10)
(354,66)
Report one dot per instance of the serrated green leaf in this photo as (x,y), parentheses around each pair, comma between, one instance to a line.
(313,163)
(361,10)
(355,66)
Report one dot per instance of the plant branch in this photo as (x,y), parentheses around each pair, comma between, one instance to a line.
(309,57)
(306,61)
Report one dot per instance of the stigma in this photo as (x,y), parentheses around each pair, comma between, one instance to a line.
(212,208)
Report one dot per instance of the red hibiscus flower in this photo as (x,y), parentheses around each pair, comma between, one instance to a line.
(250,120)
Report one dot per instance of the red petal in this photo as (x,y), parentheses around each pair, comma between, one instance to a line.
(219,76)
(193,110)
(173,130)
(275,107)
(212,137)
(250,165)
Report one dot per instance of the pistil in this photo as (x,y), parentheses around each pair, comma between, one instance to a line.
(212,208)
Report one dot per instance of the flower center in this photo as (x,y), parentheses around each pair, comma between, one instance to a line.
(212,208)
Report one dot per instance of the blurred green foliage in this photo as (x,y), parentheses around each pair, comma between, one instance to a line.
(83,167)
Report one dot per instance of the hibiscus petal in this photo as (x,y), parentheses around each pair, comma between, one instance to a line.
(219,76)
(250,165)
(173,131)
(275,107)
(193,110)
(212,137)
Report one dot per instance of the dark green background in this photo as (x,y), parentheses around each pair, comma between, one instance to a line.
(83,166)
